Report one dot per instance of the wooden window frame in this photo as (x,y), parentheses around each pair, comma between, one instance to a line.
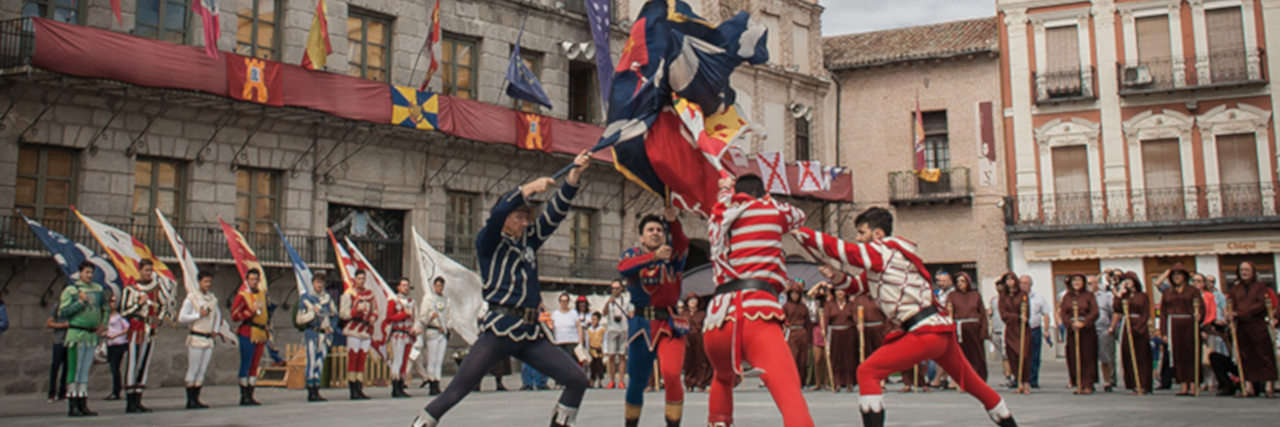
(462,243)
(254,22)
(449,81)
(937,140)
(592,228)
(161,30)
(154,186)
(365,18)
(81,8)
(252,220)
(534,62)
(804,139)
(42,177)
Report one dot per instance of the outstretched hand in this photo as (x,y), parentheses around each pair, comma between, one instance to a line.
(536,186)
(582,162)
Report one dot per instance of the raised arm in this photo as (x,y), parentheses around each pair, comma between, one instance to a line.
(553,213)
(489,236)
(865,256)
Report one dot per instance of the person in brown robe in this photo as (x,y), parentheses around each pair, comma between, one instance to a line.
(1135,335)
(842,337)
(874,327)
(1079,311)
(1178,325)
(697,369)
(819,371)
(969,313)
(1247,297)
(1013,314)
(798,326)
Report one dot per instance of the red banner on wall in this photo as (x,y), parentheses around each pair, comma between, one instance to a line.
(255,80)
(533,132)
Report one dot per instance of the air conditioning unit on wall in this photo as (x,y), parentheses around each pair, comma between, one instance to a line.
(1136,76)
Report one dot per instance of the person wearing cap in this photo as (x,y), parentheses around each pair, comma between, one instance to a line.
(1078,311)
(1179,326)
(1135,336)
(653,271)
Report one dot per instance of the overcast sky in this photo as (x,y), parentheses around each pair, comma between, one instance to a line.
(856,16)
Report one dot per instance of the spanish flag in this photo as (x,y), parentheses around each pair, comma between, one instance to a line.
(318,48)
(921,170)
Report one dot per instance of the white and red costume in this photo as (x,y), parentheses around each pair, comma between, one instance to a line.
(401,318)
(896,279)
(746,325)
(360,311)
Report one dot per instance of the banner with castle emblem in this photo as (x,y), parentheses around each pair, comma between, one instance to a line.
(414,109)
(533,132)
(255,80)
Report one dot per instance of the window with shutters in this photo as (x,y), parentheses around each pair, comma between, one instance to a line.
(1062,77)
(1227,56)
(1238,174)
(1155,54)
(368,46)
(166,20)
(458,66)
(46,184)
(460,226)
(1071,184)
(157,184)
(66,11)
(1162,174)
(256,25)
(803,145)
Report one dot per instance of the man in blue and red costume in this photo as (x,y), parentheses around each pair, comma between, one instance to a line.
(653,271)
(507,250)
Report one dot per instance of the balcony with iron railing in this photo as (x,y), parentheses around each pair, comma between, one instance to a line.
(1221,69)
(1067,85)
(953,186)
(1148,207)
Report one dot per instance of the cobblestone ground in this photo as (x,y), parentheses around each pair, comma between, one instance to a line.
(1051,406)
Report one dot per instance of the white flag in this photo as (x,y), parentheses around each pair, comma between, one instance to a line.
(739,159)
(462,287)
(773,170)
(381,294)
(191,278)
(811,176)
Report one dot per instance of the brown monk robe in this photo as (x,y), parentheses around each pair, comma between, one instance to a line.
(1179,327)
(1248,300)
(798,326)
(1079,311)
(697,369)
(1136,326)
(969,312)
(842,341)
(1015,348)
(876,325)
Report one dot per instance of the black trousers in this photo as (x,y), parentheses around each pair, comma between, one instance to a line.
(1224,368)
(115,355)
(489,349)
(58,372)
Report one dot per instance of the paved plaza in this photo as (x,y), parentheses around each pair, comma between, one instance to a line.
(1051,406)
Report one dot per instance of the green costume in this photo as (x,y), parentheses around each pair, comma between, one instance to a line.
(84,317)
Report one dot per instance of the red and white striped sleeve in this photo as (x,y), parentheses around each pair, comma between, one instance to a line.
(870,257)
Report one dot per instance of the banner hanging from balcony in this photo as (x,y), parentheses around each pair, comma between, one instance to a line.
(773,171)
(245,258)
(462,288)
(70,254)
(812,177)
(414,109)
(533,132)
(126,252)
(255,80)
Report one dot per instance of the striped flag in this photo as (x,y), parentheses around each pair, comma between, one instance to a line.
(126,252)
(921,169)
(346,267)
(69,255)
(301,273)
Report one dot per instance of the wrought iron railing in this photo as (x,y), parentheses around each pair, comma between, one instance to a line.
(207,244)
(1067,84)
(1220,68)
(1152,74)
(1153,205)
(17,42)
(1233,66)
(905,186)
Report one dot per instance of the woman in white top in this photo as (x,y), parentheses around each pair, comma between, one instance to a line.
(565,326)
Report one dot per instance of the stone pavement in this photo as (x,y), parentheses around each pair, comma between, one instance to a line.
(1051,406)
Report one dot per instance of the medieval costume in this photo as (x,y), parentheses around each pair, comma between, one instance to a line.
(1177,322)
(1257,356)
(318,315)
(1013,306)
(86,307)
(697,369)
(654,286)
(141,304)
(799,327)
(250,309)
(434,316)
(843,338)
(200,311)
(970,316)
(360,310)
(1079,305)
(401,319)
(1132,315)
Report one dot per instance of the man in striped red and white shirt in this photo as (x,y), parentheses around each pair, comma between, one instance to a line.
(744,320)
(900,285)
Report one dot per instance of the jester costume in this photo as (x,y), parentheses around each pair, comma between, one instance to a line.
(654,285)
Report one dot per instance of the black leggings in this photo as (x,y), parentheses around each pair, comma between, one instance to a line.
(489,349)
(58,373)
(115,355)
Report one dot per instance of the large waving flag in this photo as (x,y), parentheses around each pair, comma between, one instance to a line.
(381,294)
(522,84)
(462,287)
(126,253)
(598,16)
(301,273)
(318,48)
(70,254)
(191,274)
(346,267)
(245,258)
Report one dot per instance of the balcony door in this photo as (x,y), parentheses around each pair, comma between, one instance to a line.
(1162,171)
(1071,197)
(1238,175)
(1227,56)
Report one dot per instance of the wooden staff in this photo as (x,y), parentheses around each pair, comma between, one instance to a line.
(1195,317)
(1271,327)
(1075,314)
(1022,341)
(862,334)
(1133,354)
(1235,348)
(822,322)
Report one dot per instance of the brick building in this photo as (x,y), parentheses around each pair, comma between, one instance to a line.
(952,70)
(1140,134)
(116,149)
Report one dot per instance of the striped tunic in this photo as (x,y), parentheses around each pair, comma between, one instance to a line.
(509,264)
(360,310)
(401,315)
(746,243)
(894,277)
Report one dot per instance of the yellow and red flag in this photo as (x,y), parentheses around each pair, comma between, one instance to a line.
(126,252)
(533,132)
(245,258)
(318,47)
(922,170)
(255,80)
(346,267)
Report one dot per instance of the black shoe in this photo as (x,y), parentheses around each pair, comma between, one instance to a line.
(73,407)
(131,403)
(360,391)
(1007,422)
(191,398)
(137,403)
(1107,389)
(631,423)
(424,384)
(527,387)
(435,388)
(313,394)
(501,387)
(673,423)
(351,388)
(197,398)
(873,419)
(84,407)
(246,396)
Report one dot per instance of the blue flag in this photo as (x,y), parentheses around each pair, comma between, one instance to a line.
(70,254)
(522,84)
(598,16)
(301,273)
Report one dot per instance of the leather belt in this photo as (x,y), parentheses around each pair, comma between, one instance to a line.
(529,315)
(1179,316)
(744,285)
(795,326)
(201,334)
(877,323)
(968,320)
(839,327)
(82,328)
(924,313)
(653,313)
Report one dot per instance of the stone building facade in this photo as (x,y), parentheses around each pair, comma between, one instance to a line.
(117,151)
(951,71)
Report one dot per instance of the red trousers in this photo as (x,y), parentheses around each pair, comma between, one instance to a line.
(765,348)
(918,346)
